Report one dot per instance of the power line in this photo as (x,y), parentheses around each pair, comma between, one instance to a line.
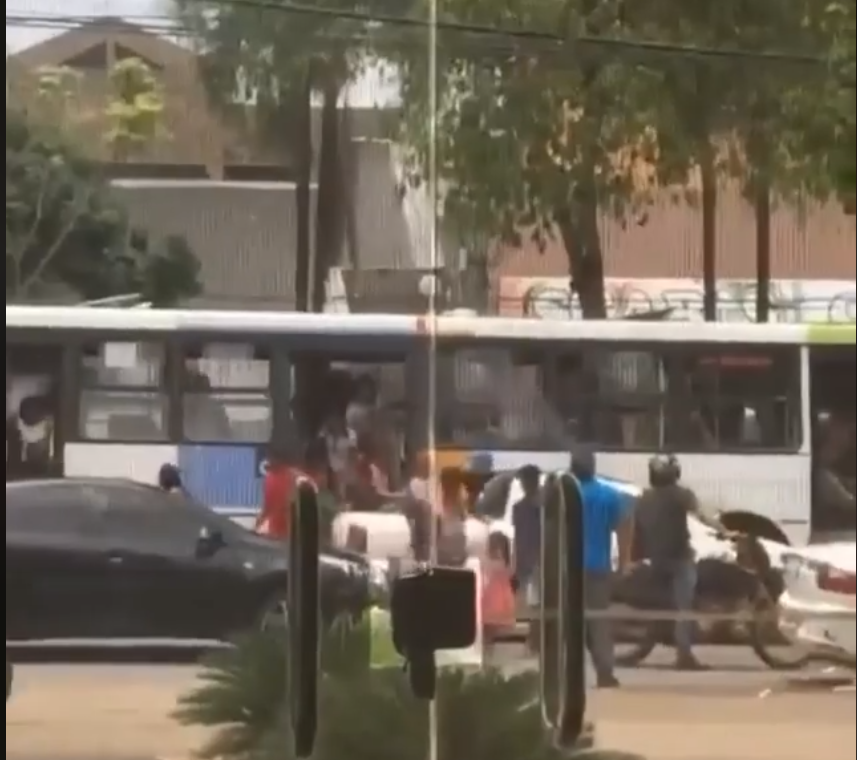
(501,39)
(525,35)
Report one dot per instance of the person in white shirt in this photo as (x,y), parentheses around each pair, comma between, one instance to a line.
(360,412)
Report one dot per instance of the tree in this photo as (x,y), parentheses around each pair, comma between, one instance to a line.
(535,139)
(540,139)
(65,231)
(841,21)
(134,109)
(272,61)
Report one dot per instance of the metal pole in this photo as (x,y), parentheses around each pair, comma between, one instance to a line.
(433,197)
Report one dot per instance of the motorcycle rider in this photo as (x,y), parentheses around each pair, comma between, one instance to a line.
(663,533)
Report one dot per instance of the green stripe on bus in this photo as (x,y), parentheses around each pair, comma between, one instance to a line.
(832,335)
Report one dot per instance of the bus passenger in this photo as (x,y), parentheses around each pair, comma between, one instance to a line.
(339,443)
(359,416)
(366,488)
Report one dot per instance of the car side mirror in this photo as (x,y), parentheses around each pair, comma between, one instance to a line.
(209,542)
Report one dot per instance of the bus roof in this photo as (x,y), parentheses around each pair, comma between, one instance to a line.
(831,335)
(199,321)
(451,325)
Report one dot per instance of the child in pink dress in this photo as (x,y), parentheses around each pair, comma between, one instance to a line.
(498,596)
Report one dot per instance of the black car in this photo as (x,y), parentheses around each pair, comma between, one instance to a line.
(88,558)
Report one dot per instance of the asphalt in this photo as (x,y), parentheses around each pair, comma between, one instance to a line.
(110,708)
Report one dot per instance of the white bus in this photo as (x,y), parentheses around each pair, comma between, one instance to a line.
(762,417)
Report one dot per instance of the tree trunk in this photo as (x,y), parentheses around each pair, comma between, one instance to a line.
(304,154)
(329,212)
(578,225)
(763,250)
(758,150)
(708,172)
(348,162)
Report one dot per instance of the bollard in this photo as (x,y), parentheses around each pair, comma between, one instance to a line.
(562,608)
(304,623)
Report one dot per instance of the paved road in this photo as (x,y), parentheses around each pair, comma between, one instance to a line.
(115,711)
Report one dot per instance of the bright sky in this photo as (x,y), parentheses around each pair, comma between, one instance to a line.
(373,89)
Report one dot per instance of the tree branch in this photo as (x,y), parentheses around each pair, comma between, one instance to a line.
(56,246)
(20,249)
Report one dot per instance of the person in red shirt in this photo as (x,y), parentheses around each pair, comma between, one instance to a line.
(275,518)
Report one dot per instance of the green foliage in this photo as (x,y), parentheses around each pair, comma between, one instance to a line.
(241,693)
(261,66)
(65,231)
(262,54)
(135,109)
(532,137)
(366,714)
(841,19)
(536,142)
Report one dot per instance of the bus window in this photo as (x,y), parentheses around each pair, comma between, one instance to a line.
(619,398)
(735,399)
(613,396)
(122,394)
(226,393)
(494,397)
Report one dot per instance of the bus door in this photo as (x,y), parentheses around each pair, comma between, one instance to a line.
(361,394)
(832,407)
(34,440)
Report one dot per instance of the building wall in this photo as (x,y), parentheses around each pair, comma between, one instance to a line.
(792,300)
(813,243)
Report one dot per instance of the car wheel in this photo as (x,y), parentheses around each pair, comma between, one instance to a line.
(274,615)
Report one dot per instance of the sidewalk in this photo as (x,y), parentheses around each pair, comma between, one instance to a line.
(781,727)
(115,720)
(124,718)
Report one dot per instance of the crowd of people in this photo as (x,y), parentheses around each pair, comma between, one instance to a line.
(355,463)
(654,528)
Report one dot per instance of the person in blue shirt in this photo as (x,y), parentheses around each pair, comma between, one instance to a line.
(605,512)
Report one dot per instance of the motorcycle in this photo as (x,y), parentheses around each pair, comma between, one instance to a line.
(736,601)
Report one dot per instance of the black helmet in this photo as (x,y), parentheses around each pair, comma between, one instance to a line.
(583,463)
(664,470)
